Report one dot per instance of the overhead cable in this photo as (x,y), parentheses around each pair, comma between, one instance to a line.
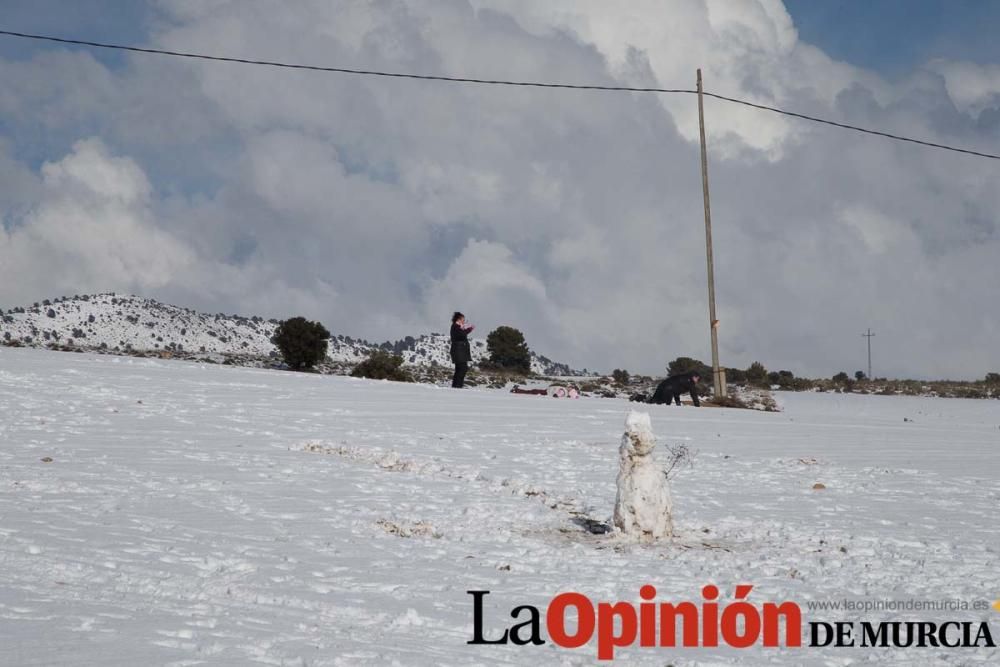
(501,82)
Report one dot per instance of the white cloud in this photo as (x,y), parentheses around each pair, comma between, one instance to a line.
(91,231)
(970,86)
(880,233)
(488,284)
(379,206)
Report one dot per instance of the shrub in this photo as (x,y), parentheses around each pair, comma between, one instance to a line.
(993,378)
(784,379)
(620,376)
(689,365)
(757,374)
(302,343)
(970,392)
(508,349)
(730,401)
(841,378)
(736,376)
(802,384)
(382,365)
(860,376)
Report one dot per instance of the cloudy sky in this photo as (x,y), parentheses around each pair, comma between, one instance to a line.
(380,206)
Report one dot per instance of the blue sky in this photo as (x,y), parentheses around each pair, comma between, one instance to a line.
(121,21)
(894,36)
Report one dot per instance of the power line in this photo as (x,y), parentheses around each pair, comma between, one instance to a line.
(342,70)
(845,126)
(500,82)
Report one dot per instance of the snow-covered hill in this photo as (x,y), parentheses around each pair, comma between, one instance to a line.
(117,322)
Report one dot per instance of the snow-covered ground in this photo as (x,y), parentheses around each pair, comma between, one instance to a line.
(197,514)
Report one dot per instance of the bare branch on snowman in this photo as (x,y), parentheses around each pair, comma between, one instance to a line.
(679,457)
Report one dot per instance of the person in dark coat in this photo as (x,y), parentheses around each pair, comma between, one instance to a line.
(674,386)
(461,351)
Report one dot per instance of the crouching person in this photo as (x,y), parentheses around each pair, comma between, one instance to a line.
(674,386)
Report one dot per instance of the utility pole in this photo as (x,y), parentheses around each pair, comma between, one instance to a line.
(718,373)
(869,337)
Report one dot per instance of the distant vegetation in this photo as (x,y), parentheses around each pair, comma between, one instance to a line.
(122,324)
(302,343)
(508,350)
(382,365)
(757,376)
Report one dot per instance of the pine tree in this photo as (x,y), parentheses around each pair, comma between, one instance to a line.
(757,374)
(508,349)
(302,343)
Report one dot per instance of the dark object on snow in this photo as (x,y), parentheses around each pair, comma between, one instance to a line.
(592,526)
(639,398)
(534,392)
(674,386)
(461,351)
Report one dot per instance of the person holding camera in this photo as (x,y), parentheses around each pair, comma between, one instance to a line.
(461,351)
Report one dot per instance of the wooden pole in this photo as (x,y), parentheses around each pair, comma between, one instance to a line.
(718,373)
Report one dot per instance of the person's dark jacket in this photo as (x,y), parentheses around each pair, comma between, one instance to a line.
(675,385)
(461,351)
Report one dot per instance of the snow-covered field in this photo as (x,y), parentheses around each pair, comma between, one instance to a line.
(197,514)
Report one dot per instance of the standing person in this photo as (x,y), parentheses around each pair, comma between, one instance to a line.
(461,351)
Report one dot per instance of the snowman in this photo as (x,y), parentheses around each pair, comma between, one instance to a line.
(642,506)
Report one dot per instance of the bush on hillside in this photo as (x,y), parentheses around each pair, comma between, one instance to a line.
(689,365)
(508,350)
(302,343)
(736,376)
(382,365)
(757,374)
(620,376)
